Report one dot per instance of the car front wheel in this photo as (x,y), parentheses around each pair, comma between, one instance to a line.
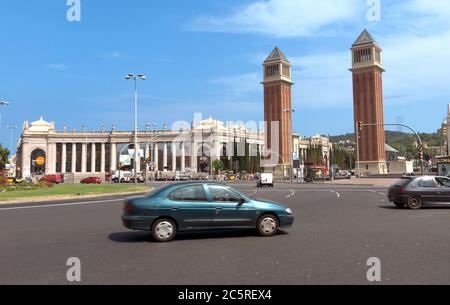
(415,203)
(164,230)
(267,225)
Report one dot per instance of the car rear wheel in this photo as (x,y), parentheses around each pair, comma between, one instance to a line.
(164,230)
(415,203)
(267,225)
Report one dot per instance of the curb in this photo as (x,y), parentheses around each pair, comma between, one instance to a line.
(73,197)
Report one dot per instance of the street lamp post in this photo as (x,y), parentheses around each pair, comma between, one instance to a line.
(292,111)
(2,103)
(135,78)
(11,128)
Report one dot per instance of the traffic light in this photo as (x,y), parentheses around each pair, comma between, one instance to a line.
(359,127)
(444,131)
(420,149)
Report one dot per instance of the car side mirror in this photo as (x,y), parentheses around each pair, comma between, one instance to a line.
(242,201)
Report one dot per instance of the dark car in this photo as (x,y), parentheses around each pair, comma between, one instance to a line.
(92,180)
(53,179)
(194,206)
(415,192)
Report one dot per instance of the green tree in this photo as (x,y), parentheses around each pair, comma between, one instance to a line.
(4,154)
(218,166)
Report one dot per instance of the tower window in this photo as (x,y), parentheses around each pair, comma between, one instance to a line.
(272,70)
(363,55)
(286,71)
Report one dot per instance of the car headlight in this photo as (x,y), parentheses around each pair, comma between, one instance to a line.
(289,211)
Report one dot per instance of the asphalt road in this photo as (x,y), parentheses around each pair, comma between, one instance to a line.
(337,229)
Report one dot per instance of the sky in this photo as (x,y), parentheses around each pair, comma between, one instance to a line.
(206,57)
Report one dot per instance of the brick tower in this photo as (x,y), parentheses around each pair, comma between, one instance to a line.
(367,72)
(278,107)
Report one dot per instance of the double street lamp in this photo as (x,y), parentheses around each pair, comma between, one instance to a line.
(135,78)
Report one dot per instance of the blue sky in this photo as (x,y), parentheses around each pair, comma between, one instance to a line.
(205,56)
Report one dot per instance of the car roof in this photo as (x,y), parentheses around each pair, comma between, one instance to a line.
(196,183)
(424,176)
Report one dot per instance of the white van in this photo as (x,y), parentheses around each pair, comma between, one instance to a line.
(265,179)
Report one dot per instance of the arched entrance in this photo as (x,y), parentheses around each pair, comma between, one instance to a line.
(38,162)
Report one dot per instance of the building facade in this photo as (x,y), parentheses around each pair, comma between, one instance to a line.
(43,150)
(367,73)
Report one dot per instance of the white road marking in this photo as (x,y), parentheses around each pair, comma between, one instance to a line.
(291,194)
(337,194)
(58,205)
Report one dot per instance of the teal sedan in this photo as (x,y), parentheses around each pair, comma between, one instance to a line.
(197,206)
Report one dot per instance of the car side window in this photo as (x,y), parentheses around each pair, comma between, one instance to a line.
(189,193)
(427,182)
(223,194)
(444,182)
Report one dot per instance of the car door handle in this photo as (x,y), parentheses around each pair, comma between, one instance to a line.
(219,209)
(175,208)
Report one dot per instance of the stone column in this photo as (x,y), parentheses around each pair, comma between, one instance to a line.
(174,157)
(26,161)
(183,157)
(147,150)
(83,158)
(74,158)
(113,157)
(165,156)
(93,157)
(156,156)
(103,159)
(63,158)
(194,157)
(51,167)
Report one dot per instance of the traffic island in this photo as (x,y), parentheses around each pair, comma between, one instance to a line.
(17,194)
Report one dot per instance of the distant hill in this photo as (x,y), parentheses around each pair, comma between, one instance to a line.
(403,142)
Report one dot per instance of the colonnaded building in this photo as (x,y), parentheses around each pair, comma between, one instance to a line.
(44,150)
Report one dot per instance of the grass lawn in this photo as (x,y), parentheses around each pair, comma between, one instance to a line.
(71,190)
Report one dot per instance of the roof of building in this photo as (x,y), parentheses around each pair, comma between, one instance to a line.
(389,148)
(276,54)
(40,126)
(364,38)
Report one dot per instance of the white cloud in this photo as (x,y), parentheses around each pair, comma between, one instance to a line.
(239,85)
(284,18)
(112,55)
(59,67)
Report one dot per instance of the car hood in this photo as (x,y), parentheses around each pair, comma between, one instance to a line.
(261,203)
